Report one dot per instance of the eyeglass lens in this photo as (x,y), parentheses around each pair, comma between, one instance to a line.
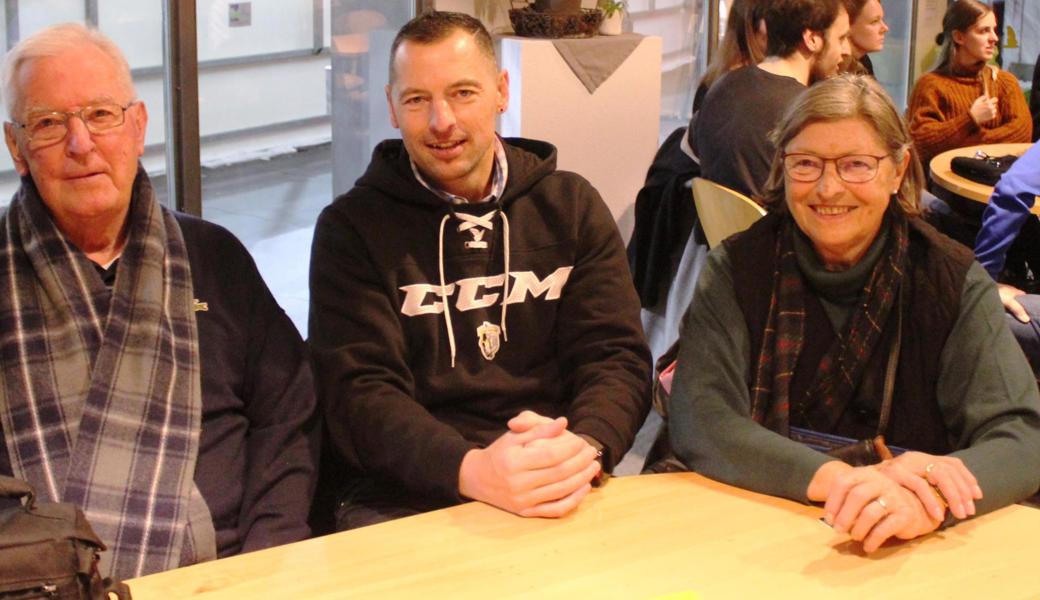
(853,168)
(53,126)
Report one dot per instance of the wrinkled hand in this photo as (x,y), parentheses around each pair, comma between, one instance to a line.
(957,484)
(1008,295)
(872,507)
(537,469)
(984,110)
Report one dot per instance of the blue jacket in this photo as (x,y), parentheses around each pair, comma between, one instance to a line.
(1008,210)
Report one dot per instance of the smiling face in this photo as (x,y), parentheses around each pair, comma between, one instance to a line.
(979,42)
(867,33)
(444,99)
(85,180)
(842,219)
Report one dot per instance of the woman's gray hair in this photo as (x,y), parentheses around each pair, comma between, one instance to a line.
(50,42)
(836,99)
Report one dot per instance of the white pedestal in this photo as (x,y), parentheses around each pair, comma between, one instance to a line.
(608,137)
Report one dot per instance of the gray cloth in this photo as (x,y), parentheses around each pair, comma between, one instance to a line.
(986,392)
(594,60)
(102,398)
(730,133)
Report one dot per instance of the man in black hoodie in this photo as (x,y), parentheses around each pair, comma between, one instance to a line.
(474,326)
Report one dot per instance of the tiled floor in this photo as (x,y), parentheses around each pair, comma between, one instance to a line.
(271,205)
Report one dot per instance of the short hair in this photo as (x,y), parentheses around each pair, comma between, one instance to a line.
(738,47)
(50,42)
(847,97)
(854,7)
(786,20)
(434,26)
(960,16)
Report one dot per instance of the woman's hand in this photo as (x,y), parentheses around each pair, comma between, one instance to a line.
(872,507)
(984,110)
(919,472)
(1009,298)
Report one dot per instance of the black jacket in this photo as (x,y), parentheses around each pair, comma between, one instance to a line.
(570,341)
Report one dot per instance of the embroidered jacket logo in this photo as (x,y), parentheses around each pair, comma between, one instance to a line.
(476,292)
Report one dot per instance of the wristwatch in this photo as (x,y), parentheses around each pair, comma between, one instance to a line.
(601,478)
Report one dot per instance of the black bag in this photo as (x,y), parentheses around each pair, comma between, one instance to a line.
(49,551)
(983,169)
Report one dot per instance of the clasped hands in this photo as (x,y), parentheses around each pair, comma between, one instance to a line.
(904,497)
(536,469)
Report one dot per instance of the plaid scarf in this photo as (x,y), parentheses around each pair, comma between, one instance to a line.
(841,368)
(101,398)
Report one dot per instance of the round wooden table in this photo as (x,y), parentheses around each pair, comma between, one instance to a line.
(944,177)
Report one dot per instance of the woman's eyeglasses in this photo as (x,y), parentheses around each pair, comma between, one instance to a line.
(851,168)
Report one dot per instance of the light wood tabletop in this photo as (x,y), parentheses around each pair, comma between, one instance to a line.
(674,536)
(943,175)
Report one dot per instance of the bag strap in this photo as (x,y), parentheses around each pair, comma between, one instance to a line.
(890,368)
(16,488)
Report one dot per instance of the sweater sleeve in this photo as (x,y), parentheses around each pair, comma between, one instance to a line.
(1008,209)
(1015,124)
(600,338)
(989,399)
(364,379)
(282,441)
(709,417)
(933,127)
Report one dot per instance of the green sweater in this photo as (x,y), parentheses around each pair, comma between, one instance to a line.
(986,391)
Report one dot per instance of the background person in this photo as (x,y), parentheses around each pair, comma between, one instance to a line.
(744,43)
(867,30)
(806,40)
(964,100)
(839,280)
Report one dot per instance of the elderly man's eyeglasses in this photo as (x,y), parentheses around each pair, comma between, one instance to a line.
(44,128)
(851,168)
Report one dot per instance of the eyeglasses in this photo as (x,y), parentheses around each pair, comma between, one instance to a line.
(851,168)
(50,127)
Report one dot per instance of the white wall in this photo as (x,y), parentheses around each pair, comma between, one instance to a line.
(233,98)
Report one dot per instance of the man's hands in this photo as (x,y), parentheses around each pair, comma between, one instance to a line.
(984,110)
(896,498)
(536,469)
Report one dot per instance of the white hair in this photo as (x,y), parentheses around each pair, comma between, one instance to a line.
(50,42)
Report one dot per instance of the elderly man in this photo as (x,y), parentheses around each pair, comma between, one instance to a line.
(474,326)
(148,375)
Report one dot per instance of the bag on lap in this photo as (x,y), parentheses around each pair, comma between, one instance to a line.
(987,170)
(48,550)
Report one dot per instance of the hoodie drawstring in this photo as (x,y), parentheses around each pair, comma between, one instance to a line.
(444,290)
(469,222)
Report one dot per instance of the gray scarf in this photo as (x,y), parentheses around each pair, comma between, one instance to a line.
(101,398)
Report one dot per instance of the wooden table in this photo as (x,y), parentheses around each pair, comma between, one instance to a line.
(943,175)
(675,536)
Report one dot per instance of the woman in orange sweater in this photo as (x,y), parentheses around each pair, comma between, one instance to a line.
(965,101)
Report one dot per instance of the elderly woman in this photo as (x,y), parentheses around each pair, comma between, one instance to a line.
(841,313)
(964,100)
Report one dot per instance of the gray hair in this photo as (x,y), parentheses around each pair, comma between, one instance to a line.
(836,99)
(50,42)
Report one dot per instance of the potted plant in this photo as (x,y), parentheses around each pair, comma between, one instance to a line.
(613,15)
(558,6)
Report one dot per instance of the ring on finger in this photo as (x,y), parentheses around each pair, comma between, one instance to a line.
(881,502)
(928,468)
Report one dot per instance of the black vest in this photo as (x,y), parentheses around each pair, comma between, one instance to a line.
(931,298)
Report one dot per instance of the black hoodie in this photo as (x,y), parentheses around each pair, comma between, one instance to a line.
(402,406)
